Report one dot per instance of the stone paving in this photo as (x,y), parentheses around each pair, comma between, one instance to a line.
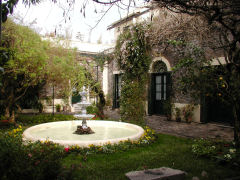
(191,130)
(182,129)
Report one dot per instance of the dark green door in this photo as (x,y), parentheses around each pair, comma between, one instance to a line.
(116,90)
(160,92)
(214,110)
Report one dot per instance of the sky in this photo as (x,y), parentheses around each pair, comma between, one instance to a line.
(48,16)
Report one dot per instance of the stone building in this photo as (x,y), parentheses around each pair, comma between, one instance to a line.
(159,89)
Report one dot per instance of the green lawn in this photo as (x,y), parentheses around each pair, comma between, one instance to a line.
(168,151)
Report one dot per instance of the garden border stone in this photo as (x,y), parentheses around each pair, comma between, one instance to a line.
(163,173)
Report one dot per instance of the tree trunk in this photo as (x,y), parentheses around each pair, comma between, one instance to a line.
(7,112)
(236,125)
(12,117)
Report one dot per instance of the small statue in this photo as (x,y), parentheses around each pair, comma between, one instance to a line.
(84,129)
(84,124)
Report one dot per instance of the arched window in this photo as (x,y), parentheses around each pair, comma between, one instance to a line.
(159,67)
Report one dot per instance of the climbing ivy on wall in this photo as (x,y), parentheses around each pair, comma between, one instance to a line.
(132,54)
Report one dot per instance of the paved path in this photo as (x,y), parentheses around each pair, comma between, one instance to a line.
(182,129)
(192,130)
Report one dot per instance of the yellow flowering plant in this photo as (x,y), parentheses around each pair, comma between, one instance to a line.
(17,132)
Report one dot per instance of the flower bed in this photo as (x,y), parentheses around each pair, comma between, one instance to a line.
(147,138)
(220,151)
(42,160)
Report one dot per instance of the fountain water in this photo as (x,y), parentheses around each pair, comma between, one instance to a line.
(81,107)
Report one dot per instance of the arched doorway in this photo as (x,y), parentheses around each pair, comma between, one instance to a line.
(160,87)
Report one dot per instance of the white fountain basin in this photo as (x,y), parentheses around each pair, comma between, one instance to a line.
(62,132)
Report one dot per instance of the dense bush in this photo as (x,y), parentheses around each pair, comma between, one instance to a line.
(220,151)
(132,54)
(132,99)
(39,161)
(93,109)
(42,118)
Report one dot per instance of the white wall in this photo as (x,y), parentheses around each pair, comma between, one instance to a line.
(196,111)
(105,79)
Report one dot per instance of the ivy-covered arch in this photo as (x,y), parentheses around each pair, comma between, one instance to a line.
(160,62)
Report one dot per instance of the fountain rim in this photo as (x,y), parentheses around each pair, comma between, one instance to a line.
(27,137)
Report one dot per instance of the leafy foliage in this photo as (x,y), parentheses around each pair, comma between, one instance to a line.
(195,73)
(63,69)
(198,77)
(42,118)
(222,16)
(32,161)
(220,151)
(23,58)
(30,63)
(131,52)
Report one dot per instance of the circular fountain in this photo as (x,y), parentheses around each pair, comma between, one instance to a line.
(62,133)
(68,133)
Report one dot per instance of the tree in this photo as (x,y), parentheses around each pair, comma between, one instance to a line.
(28,61)
(224,15)
(63,70)
(23,59)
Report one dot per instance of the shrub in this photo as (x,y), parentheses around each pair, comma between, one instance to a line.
(188,112)
(58,107)
(42,118)
(92,109)
(178,114)
(95,111)
(133,57)
(33,161)
(132,101)
(217,150)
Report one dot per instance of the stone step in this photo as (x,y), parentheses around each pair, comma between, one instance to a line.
(163,173)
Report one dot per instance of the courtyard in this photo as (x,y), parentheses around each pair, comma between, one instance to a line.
(117,90)
(169,149)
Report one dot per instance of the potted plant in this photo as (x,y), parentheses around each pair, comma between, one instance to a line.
(58,107)
(178,114)
(167,108)
(188,112)
(40,107)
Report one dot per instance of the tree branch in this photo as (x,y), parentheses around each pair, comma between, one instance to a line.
(106,3)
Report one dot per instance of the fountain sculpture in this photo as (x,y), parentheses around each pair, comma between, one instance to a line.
(81,107)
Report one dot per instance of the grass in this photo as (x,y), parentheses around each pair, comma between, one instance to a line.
(167,151)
